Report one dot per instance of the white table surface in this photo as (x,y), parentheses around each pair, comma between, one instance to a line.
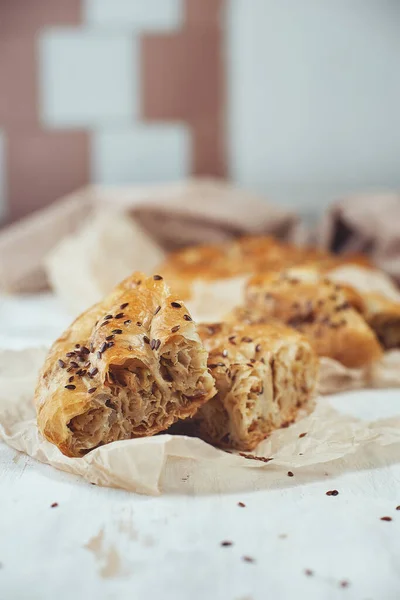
(111,544)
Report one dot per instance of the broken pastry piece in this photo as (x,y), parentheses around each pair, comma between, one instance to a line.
(128,367)
(383,316)
(379,300)
(265,376)
(316,307)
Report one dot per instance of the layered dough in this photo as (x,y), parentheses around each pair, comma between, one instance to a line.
(265,375)
(378,300)
(128,367)
(317,307)
(243,257)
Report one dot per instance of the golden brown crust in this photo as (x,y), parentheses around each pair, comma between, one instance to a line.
(378,300)
(241,256)
(265,375)
(128,367)
(316,307)
(244,256)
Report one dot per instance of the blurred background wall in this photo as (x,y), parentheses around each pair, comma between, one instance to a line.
(296,99)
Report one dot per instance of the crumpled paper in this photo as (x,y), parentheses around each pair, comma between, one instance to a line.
(164,463)
(335,377)
(91,261)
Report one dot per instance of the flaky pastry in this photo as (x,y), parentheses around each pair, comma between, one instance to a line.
(128,367)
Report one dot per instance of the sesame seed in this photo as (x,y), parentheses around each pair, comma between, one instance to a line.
(103,347)
(108,317)
(146,339)
(77,345)
(153,344)
(74,364)
(157,277)
(61,363)
(104,323)
(69,354)
(124,305)
(54,505)
(157,310)
(302,435)
(332,493)
(91,347)
(119,316)
(70,387)
(344,584)
(110,344)
(70,369)
(87,364)
(176,305)
(158,344)
(248,559)
(290,474)
(187,318)
(175,329)
(117,331)
(99,355)
(308,572)
(241,504)
(85,350)
(71,378)
(127,322)
(138,323)
(386,519)
(109,337)
(226,543)
(92,390)
(231,340)
(398,507)
(258,348)
(93,372)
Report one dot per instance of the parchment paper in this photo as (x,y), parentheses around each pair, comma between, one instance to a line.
(155,465)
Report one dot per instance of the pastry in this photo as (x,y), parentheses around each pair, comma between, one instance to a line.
(128,367)
(242,256)
(379,300)
(318,308)
(265,376)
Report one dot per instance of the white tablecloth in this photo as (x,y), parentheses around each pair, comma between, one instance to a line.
(102,543)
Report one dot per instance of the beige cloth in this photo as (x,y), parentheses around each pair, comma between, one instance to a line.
(368,223)
(162,463)
(191,212)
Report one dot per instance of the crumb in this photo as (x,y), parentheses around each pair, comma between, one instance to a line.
(344,583)
(226,543)
(308,572)
(248,559)
(290,474)
(398,507)
(241,504)
(54,505)
(332,493)
(386,519)
(302,435)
